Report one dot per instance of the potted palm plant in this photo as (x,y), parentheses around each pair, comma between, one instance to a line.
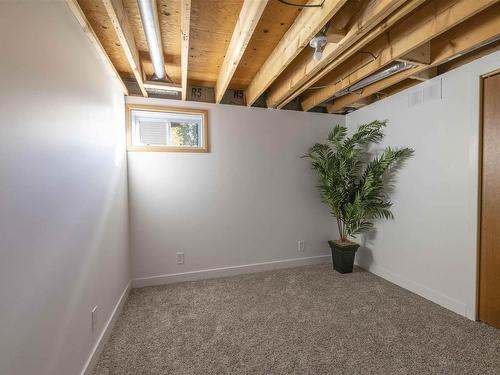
(352,184)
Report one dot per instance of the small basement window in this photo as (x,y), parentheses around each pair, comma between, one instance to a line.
(167,129)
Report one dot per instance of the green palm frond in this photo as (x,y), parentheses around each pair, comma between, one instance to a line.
(350,186)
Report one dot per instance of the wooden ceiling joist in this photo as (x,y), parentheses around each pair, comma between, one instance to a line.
(87,28)
(468,36)
(478,30)
(335,35)
(407,41)
(185,32)
(394,89)
(420,55)
(309,22)
(288,86)
(250,14)
(119,20)
(469,57)
(426,74)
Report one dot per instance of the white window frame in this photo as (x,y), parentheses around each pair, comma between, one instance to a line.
(135,111)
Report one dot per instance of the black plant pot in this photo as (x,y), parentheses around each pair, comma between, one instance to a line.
(343,255)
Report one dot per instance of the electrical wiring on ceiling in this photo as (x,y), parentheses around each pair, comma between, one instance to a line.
(302,5)
(341,79)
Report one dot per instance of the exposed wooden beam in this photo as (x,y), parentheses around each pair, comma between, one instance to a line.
(469,57)
(307,24)
(339,24)
(87,28)
(426,23)
(344,17)
(474,32)
(394,89)
(361,103)
(285,88)
(185,32)
(471,34)
(119,19)
(249,17)
(426,74)
(346,100)
(420,55)
(335,35)
(403,85)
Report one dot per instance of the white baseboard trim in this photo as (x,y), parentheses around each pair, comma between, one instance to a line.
(228,271)
(106,331)
(417,288)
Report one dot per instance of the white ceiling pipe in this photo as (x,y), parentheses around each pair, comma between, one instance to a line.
(151,25)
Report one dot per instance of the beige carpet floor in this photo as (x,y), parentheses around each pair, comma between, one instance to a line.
(306,320)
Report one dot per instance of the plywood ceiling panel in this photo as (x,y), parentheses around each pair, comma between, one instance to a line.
(212,25)
(98,18)
(275,21)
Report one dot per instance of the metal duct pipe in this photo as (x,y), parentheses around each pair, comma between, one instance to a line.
(394,68)
(151,25)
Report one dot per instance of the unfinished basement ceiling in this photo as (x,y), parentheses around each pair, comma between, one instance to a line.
(261,47)
(102,26)
(273,24)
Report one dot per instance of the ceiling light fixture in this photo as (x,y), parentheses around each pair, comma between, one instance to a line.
(318,43)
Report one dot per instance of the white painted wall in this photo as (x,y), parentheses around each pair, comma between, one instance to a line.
(63,191)
(247,201)
(430,247)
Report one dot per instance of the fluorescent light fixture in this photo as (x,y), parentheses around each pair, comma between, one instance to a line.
(151,25)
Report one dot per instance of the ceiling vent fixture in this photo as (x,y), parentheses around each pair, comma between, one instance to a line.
(160,87)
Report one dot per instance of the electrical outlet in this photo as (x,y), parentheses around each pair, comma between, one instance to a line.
(94,318)
(301,245)
(179,257)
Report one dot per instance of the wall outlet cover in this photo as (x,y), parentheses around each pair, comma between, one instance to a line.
(301,245)
(94,318)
